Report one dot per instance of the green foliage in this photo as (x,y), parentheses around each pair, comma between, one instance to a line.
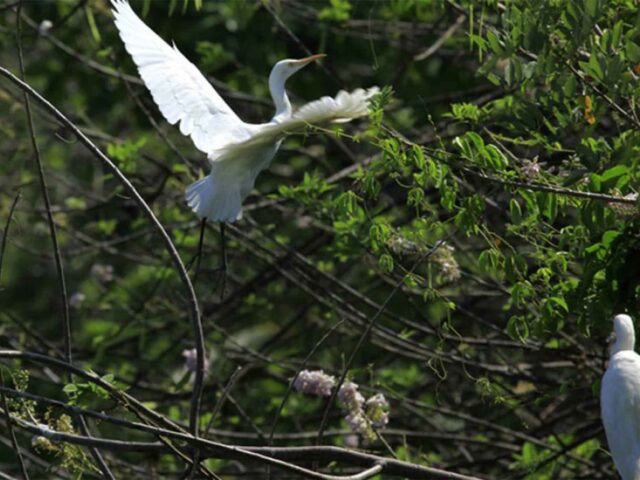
(127,153)
(513,146)
(213,56)
(465,111)
(337,11)
(309,192)
(70,457)
(542,463)
(85,393)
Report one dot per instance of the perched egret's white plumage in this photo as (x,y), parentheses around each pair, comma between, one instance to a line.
(620,400)
(237,151)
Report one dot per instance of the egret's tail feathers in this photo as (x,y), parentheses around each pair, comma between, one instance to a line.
(215,199)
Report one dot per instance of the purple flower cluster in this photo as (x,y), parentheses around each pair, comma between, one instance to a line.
(358,422)
(314,382)
(362,416)
(350,398)
(377,409)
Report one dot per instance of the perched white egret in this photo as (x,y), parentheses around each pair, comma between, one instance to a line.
(237,151)
(620,400)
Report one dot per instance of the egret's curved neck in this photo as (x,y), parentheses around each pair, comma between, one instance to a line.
(279,95)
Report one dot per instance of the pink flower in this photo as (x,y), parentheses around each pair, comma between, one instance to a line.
(351,441)
(530,170)
(314,382)
(357,422)
(377,409)
(349,396)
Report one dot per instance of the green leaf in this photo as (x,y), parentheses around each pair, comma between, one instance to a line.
(494,43)
(614,172)
(609,236)
(515,211)
(518,328)
(593,67)
(632,51)
(560,302)
(385,262)
(70,388)
(339,11)
(93,27)
(592,7)
(550,209)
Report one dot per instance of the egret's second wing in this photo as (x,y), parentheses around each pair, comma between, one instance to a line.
(344,107)
(179,89)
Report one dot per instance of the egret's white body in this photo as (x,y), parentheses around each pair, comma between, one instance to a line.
(620,400)
(237,151)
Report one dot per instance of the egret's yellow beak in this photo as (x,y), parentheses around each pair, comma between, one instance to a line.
(310,59)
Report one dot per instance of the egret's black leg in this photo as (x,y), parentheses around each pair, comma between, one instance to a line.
(203,226)
(198,256)
(223,254)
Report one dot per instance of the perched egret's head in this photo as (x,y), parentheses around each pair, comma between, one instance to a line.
(285,68)
(624,334)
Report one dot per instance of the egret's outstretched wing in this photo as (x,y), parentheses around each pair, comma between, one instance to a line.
(179,89)
(344,107)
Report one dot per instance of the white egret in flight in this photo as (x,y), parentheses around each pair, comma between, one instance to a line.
(620,400)
(237,151)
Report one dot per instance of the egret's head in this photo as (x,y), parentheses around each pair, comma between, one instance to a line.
(624,333)
(285,68)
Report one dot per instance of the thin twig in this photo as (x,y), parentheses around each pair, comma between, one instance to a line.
(223,257)
(95,453)
(602,197)
(300,43)
(5,234)
(223,397)
(440,41)
(198,257)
